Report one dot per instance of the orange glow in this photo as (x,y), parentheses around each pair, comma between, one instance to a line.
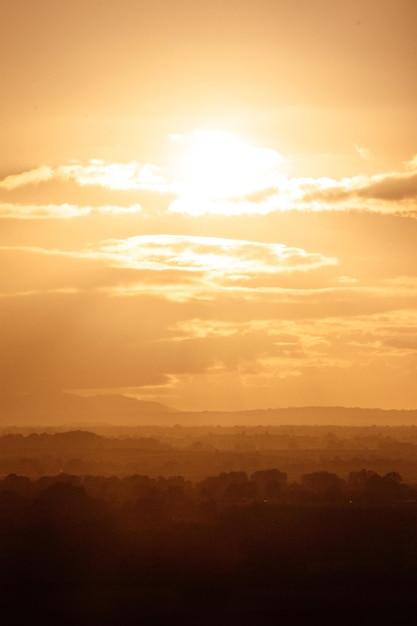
(210,202)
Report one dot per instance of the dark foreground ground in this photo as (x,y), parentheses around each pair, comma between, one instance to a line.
(230,549)
(251,565)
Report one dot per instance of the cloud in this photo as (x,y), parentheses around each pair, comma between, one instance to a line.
(60,211)
(209,254)
(173,266)
(41,174)
(364,153)
(79,340)
(236,275)
(211,263)
(183,331)
(388,193)
(253,183)
(382,193)
(271,362)
(47,211)
(76,189)
(119,176)
(316,342)
(391,188)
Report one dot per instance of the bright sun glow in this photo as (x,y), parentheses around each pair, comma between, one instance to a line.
(217,165)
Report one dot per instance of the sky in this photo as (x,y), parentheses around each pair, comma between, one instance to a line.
(210,204)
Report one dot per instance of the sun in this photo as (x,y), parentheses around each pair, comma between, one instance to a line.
(213,165)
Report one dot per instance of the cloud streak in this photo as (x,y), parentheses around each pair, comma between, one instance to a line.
(210,254)
(61,211)
(120,176)
(183,328)
(173,266)
(392,192)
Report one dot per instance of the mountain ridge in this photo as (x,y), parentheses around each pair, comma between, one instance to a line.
(61,408)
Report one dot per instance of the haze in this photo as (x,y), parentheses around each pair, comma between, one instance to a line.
(208,311)
(210,204)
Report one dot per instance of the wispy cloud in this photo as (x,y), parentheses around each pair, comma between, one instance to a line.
(200,267)
(228,271)
(364,153)
(245,191)
(172,266)
(121,176)
(38,175)
(187,325)
(60,211)
(210,254)
(269,359)
(48,211)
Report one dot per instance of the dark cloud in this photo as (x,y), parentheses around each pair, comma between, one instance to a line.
(391,188)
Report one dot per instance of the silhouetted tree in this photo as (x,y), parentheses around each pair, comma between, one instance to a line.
(270,482)
(325,485)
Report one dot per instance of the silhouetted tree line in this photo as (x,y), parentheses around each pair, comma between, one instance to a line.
(200,451)
(234,548)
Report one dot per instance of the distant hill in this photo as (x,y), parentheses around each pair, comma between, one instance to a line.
(299,416)
(60,409)
(66,408)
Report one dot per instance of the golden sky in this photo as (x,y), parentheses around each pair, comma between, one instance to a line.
(210,204)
